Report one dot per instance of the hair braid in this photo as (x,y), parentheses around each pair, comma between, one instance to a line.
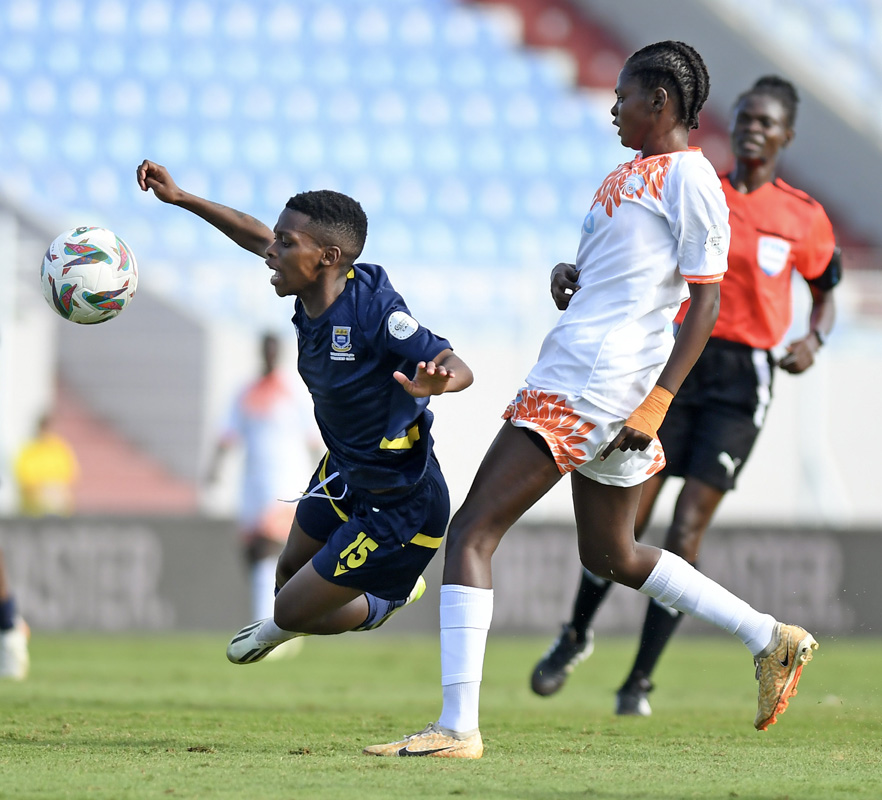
(678,68)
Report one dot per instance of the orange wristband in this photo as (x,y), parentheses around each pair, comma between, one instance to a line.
(649,415)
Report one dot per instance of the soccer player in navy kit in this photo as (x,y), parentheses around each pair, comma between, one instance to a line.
(377,506)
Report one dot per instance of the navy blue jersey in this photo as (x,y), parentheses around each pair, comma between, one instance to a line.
(377,432)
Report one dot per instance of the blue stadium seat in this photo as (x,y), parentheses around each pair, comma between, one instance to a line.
(464,148)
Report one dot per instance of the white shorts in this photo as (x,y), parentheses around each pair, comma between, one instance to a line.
(577,432)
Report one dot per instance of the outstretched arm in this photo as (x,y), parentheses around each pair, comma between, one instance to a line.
(447,372)
(246,231)
(642,426)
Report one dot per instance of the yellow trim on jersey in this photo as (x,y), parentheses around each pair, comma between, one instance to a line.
(323,473)
(350,274)
(402,442)
(432,542)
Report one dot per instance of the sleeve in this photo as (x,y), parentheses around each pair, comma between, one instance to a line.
(699,219)
(403,335)
(813,253)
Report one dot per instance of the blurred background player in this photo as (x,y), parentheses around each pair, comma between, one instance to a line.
(46,471)
(275,428)
(14,660)
(718,413)
(377,505)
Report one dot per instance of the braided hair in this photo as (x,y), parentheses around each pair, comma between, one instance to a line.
(677,68)
(781,90)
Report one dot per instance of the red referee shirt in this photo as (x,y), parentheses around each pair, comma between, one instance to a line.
(775,230)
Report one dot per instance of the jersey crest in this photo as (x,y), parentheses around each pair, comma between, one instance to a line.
(341,343)
(772,254)
(633,180)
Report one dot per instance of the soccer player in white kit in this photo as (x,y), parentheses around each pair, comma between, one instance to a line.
(593,402)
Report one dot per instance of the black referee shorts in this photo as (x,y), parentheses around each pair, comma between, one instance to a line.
(714,420)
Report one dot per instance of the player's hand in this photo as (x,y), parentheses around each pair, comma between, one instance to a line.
(430,379)
(564,284)
(800,355)
(156,177)
(627,439)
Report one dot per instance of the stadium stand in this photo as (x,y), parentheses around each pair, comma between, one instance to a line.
(474,156)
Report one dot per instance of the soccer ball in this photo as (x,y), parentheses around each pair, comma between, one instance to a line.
(89,275)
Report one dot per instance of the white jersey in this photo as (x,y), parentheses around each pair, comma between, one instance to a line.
(654,224)
(276,427)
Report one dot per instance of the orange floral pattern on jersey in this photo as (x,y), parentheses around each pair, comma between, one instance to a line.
(560,426)
(632,180)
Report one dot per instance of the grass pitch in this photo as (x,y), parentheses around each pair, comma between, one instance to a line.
(167,716)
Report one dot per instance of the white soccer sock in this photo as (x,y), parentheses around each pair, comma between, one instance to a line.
(676,583)
(271,633)
(466,612)
(263,585)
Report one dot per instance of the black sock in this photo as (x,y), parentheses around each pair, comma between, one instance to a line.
(7,614)
(592,590)
(658,628)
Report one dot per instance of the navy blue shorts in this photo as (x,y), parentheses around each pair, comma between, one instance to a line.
(714,420)
(379,543)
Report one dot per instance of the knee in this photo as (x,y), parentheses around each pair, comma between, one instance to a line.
(623,566)
(684,539)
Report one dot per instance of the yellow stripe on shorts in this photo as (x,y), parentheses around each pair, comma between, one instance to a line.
(432,542)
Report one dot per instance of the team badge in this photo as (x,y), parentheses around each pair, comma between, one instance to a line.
(340,341)
(772,254)
(402,325)
(633,185)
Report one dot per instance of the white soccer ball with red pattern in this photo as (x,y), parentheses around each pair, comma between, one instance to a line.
(89,275)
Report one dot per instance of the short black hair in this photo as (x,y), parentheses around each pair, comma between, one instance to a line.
(777,87)
(336,218)
(676,67)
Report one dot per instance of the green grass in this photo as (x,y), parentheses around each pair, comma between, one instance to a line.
(166,716)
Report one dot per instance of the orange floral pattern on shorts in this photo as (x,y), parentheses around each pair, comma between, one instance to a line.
(658,459)
(561,427)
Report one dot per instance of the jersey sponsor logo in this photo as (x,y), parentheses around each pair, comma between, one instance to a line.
(402,325)
(341,343)
(772,254)
(713,244)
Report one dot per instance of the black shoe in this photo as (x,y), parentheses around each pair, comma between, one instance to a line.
(556,665)
(631,699)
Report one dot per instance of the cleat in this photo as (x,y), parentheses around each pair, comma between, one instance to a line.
(14,659)
(416,593)
(631,700)
(559,661)
(778,669)
(247,647)
(433,741)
